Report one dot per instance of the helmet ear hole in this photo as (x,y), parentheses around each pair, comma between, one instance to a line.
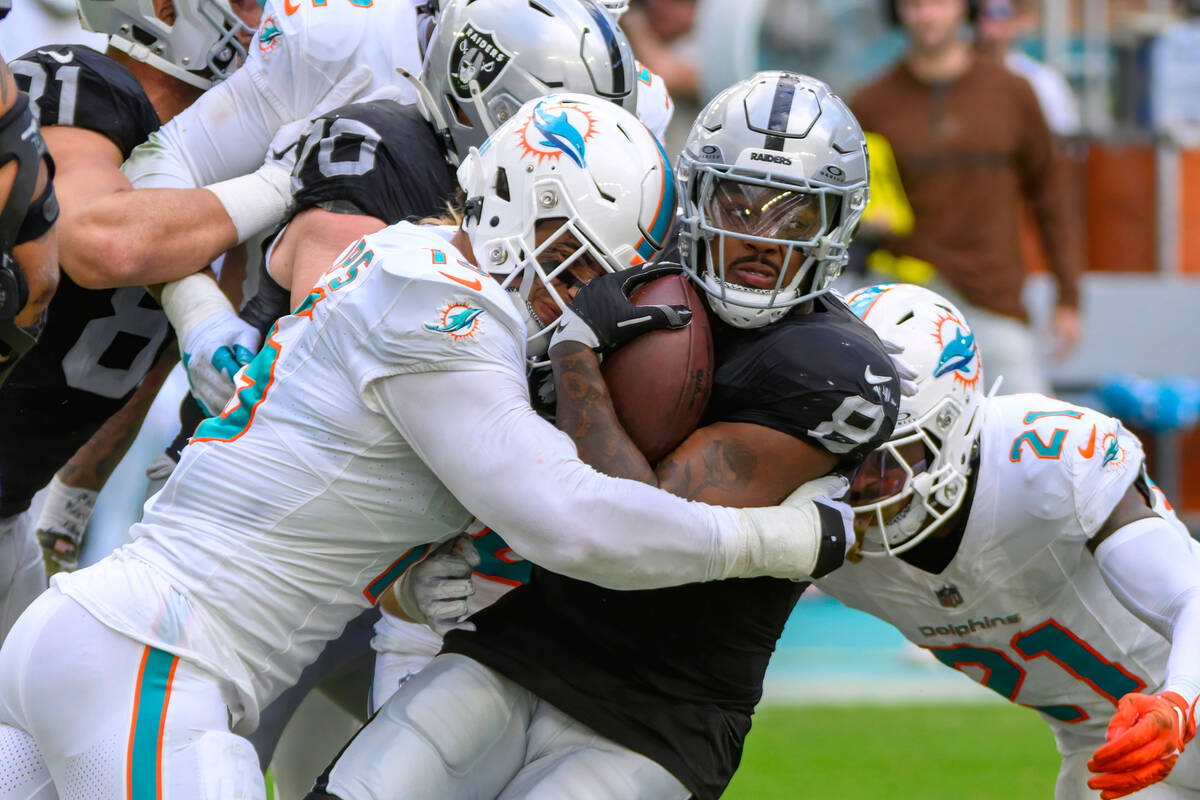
(502,185)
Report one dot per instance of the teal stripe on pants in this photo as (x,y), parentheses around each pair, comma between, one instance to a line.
(152,708)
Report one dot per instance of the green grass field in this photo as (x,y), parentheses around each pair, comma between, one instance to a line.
(964,752)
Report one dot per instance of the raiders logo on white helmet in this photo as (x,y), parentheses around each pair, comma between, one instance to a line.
(475,58)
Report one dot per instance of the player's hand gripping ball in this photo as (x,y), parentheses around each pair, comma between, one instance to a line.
(654,330)
(1145,737)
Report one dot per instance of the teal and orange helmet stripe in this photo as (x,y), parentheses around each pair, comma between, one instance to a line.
(661,223)
(152,694)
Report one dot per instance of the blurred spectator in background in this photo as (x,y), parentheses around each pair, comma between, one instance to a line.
(1001,24)
(33,23)
(970,143)
(660,32)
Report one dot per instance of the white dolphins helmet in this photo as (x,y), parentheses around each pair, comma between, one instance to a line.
(776,160)
(917,480)
(199,46)
(569,157)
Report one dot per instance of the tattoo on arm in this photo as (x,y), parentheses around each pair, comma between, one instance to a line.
(725,466)
(585,413)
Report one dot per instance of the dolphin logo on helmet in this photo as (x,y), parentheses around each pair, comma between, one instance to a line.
(560,134)
(958,354)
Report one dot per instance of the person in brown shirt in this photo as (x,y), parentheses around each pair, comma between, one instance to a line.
(970,143)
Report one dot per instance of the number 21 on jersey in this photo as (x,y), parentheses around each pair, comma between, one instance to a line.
(1004,675)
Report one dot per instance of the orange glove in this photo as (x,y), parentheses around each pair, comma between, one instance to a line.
(1145,737)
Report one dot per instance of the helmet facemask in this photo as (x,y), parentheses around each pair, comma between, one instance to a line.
(800,160)
(906,490)
(567,252)
(809,219)
(199,45)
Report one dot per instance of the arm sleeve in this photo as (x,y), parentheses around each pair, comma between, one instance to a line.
(222,135)
(523,478)
(1153,568)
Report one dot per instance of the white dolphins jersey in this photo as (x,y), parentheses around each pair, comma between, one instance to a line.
(292,511)
(654,106)
(302,49)
(1022,608)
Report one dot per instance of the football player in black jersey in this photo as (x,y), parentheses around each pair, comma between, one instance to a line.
(638,684)
(97,344)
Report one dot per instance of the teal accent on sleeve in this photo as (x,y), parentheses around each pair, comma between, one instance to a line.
(497,560)
(251,391)
(375,589)
(152,695)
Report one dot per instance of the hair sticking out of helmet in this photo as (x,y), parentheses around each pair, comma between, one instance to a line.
(916,482)
(774,164)
(195,41)
(570,186)
(488,57)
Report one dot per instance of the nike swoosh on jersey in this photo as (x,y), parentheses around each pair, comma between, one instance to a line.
(1088,451)
(290,8)
(874,379)
(470,284)
(57,56)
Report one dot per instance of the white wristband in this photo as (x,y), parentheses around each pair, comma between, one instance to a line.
(809,533)
(257,201)
(776,542)
(189,300)
(67,508)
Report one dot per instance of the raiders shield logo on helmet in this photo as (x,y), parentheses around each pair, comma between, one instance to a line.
(475,57)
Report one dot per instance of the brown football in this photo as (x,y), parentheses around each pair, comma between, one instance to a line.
(660,381)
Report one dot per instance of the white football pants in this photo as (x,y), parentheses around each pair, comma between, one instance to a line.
(22,573)
(458,730)
(402,649)
(108,718)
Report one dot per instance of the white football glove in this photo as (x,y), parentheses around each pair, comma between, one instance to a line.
(907,373)
(217,347)
(434,591)
(62,524)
